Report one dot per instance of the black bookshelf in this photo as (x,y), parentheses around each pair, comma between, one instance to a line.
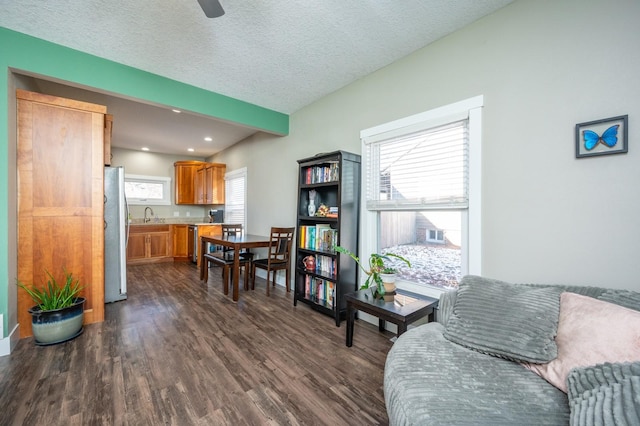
(335,178)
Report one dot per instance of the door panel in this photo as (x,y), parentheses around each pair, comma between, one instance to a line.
(60,198)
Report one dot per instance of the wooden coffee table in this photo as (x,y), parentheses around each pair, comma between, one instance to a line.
(406,308)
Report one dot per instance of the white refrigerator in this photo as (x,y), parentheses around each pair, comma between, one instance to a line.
(116,235)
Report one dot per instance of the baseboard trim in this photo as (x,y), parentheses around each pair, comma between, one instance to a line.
(9,343)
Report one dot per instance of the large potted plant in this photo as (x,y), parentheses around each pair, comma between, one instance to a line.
(380,276)
(59,310)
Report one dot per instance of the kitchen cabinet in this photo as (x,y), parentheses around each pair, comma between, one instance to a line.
(198,182)
(60,186)
(185,177)
(214,183)
(181,242)
(207,230)
(149,243)
(199,186)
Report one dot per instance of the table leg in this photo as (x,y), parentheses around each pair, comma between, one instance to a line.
(402,327)
(236,273)
(203,250)
(381,325)
(351,316)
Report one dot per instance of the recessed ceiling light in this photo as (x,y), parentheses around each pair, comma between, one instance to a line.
(144,148)
(208,139)
(177,111)
(190,149)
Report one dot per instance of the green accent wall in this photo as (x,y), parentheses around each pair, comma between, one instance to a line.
(21,53)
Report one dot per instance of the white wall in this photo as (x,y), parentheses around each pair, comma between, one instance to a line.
(542,66)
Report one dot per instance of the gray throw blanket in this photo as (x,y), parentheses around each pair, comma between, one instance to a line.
(605,394)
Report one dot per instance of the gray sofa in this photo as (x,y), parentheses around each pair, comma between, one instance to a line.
(468,368)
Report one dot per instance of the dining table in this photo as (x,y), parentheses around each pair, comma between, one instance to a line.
(236,243)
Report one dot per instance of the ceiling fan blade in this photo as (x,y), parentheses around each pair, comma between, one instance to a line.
(211,8)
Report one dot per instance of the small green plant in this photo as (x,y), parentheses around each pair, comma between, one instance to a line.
(53,296)
(376,267)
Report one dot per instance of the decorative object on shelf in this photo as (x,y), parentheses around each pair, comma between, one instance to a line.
(309,263)
(312,203)
(377,269)
(601,137)
(59,312)
(323,210)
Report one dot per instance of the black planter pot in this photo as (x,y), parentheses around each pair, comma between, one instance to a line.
(59,325)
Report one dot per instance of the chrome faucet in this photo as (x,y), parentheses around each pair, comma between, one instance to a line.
(147,219)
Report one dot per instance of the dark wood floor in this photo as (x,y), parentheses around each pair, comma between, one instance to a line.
(180,352)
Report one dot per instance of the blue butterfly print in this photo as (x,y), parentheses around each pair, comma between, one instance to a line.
(608,138)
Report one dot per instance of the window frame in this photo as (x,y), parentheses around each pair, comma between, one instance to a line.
(166,190)
(228,176)
(438,233)
(470,109)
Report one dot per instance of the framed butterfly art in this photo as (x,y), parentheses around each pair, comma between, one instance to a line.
(601,137)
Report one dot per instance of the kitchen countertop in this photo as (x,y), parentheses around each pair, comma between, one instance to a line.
(140,222)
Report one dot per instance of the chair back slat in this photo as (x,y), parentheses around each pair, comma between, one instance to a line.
(230,230)
(280,247)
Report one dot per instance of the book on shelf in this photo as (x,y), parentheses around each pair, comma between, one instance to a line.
(333,212)
(330,292)
(319,293)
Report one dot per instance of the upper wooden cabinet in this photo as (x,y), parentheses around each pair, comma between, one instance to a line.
(198,182)
(214,183)
(199,186)
(185,172)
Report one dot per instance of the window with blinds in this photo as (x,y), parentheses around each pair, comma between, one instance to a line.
(418,188)
(422,176)
(427,169)
(235,186)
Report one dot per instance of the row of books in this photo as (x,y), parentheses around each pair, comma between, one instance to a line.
(325,265)
(319,237)
(322,290)
(322,174)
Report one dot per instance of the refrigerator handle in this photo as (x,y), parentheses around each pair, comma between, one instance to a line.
(126,206)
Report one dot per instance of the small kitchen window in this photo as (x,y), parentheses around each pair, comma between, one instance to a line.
(147,190)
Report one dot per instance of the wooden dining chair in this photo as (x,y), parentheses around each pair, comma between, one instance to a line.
(279,257)
(224,257)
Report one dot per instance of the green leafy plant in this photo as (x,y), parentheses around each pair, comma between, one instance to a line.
(53,295)
(376,267)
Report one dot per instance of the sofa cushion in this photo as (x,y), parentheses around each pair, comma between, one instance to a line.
(429,380)
(591,332)
(512,321)
(605,394)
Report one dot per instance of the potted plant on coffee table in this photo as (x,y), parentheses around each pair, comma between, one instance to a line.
(59,310)
(378,273)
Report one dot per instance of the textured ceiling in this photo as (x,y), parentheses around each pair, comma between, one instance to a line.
(278,54)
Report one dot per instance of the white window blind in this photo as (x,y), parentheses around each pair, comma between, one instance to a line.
(235,186)
(426,169)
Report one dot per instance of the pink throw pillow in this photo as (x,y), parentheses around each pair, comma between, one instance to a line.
(590,332)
